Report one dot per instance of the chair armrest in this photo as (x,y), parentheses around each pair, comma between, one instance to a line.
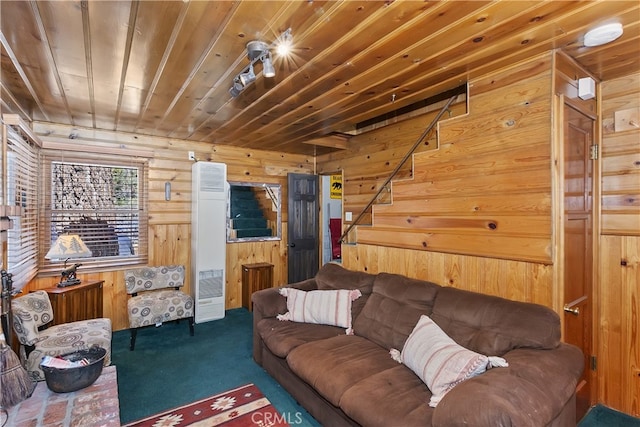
(532,391)
(268,303)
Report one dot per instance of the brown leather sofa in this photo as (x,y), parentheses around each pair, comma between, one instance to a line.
(351,379)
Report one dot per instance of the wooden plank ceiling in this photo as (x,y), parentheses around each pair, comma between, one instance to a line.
(164,68)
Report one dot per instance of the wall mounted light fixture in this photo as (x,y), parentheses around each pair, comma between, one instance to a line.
(259,51)
(167,191)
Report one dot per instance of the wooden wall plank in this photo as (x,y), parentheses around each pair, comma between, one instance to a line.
(523,204)
(621,224)
(513,246)
(505,226)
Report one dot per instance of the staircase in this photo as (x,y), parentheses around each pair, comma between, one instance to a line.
(367,211)
(247,218)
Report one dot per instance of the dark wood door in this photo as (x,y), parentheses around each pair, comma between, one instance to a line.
(578,238)
(303,234)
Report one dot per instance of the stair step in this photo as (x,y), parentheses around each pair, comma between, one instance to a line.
(245,204)
(239,223)
(253,232)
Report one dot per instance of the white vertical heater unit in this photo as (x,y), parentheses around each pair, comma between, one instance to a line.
(208,239)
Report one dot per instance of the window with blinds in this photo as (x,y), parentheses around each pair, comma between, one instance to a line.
(103,203)
(22,237)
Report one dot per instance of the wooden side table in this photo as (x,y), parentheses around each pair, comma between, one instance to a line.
(78,302)
(254,278)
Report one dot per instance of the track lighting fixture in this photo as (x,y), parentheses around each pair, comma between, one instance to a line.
(259,51)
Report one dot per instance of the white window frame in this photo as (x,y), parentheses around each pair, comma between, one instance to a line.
(94,263)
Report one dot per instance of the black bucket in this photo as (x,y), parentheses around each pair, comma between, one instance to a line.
(65,380)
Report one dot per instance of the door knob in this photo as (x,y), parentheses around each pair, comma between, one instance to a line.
(292,245)
(572,310)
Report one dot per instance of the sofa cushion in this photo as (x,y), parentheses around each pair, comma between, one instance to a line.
(493,326)
(439,361)
(393,397)
(532,391)
(325,307)
(333,365)
(334,276)
(282,337)
(393,309)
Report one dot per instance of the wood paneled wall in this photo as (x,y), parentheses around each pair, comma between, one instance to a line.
(486,190)
(619,268)
(170,221)
(474,209)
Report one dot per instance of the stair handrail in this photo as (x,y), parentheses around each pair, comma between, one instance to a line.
(400,164)
(272,195)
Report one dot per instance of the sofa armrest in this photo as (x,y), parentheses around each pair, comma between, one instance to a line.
(532,391)
(268,303)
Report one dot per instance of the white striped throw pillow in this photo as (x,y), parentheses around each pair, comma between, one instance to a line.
(326,307)
(439,361)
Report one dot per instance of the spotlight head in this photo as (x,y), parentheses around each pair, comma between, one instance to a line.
(248,77)
(236,89)
(267,66)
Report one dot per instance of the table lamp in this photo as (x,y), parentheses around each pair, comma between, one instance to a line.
(68,246)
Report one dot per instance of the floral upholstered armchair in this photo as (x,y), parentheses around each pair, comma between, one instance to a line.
(32,313)
(156,298)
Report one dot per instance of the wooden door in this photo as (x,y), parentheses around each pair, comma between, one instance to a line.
(578,243)
(303,226)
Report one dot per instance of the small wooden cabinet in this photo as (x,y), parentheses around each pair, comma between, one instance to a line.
(254,278)
(78,302)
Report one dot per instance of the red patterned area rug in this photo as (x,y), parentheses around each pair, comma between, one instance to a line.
(242,407)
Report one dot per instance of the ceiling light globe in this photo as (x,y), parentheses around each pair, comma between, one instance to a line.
(602,35)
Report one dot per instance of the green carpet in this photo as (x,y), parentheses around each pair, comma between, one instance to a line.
(601,416)
(170,368)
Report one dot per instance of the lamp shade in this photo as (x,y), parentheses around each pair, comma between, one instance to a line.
(68,246)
